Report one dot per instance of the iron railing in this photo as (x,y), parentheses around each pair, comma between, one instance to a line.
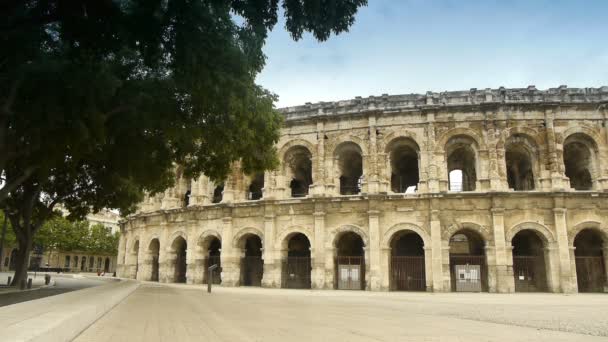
(296,273)
(590,273)
(408,273)
(529,273)
(252,270)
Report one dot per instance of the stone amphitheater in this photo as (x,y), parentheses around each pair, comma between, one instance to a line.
(497,190)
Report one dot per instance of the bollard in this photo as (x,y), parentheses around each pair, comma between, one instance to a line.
(47,279)
(210,277)
(29,283)
(9,281)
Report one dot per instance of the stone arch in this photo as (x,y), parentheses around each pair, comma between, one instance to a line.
(581,158)
(208,234)
(542,231)
(345,139)
(335,234)
(459,131)
(294,143)
(393,136)
(133,241)
(283,237)
(246,231)
(522,160)
(388,236)
(529,132)
(152,238)
(593,225)
(592,134)
(175,235)
(483,231)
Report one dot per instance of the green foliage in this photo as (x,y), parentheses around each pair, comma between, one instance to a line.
(9,238)
(61,234)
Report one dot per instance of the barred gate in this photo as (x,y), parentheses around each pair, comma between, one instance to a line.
(407,273)
(296,273)
(252,269)
(529,273)
(474,284)
(350,272)
(217,272)
(590,273)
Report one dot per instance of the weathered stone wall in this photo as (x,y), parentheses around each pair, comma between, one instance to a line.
(487,125)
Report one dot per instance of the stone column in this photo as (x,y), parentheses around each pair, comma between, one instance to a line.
(230,258)
(317,189)
(330,266)
(436,252)
(318,251)
(193,271)
(428,268)
(375,268)
(565,273)
(120,268)
(502,270)
(272,261)
(373,185)
(605,251)
(551,257)
(385,268)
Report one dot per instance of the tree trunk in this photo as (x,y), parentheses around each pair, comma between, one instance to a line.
(22,259)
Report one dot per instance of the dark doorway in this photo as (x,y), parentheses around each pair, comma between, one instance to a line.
(590,268)
(404,166)
(106,267)
(252,264)
(179,248)
(519,160)
(350,262)
(407,262)
(296,266)
(468,268)
(529,268)
(298,161)
(213,258)
(256,186)
(218,194)
(350,166)
(461,156)
(154,250)
(578,161)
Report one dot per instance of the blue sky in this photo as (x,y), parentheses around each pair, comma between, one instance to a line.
(413,46)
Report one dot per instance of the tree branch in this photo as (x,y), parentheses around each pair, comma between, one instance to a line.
(15,182)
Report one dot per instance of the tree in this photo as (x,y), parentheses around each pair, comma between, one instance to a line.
(110,95)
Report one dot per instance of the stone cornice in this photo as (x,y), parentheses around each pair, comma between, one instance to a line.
(449,99)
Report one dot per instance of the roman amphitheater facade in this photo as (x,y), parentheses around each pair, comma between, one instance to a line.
(497,190)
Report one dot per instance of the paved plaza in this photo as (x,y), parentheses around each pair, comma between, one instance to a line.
(187,313)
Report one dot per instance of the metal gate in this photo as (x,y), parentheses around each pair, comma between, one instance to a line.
(469,273)
(529,273)
(217,272)
(296,273)
(252,269)
(407,273)
(350,272)
(590,273)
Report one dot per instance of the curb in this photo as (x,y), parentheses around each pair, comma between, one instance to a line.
(62,317)
(28,290)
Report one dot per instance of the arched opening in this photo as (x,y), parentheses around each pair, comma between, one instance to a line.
(298,163)
(579,161)
(65,265)
(350,166)
(135,259)
(529,265)
(255,188)
(519,157)
(91,263)
(83,263)
(213,247)
(296,265)
(218,193)
(407,262)
(590,267)
(468,267)
(462,156)
(154,250)
(106,267)
(75,266)
(404,163)
(179,248)
(98,263)
(252,264)
(350,262)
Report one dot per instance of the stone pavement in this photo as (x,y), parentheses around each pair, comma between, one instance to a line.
(187,313)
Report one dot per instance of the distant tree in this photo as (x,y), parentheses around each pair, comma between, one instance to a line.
(100,240)
(100,99)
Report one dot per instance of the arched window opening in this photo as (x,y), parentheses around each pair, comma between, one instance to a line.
(578,161)
(298,161)
(529,265)
(154,251)
(405,173)
(256,186)
(91,263)
(218,193)
(407,262)
(350,167)
(462,156)
(590,263)
(519,160)
(296,264)
(106,267)
(213,257)
(179,248)
(83,263)
(67,262)
(252,264)
(350,262)
(468,267)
